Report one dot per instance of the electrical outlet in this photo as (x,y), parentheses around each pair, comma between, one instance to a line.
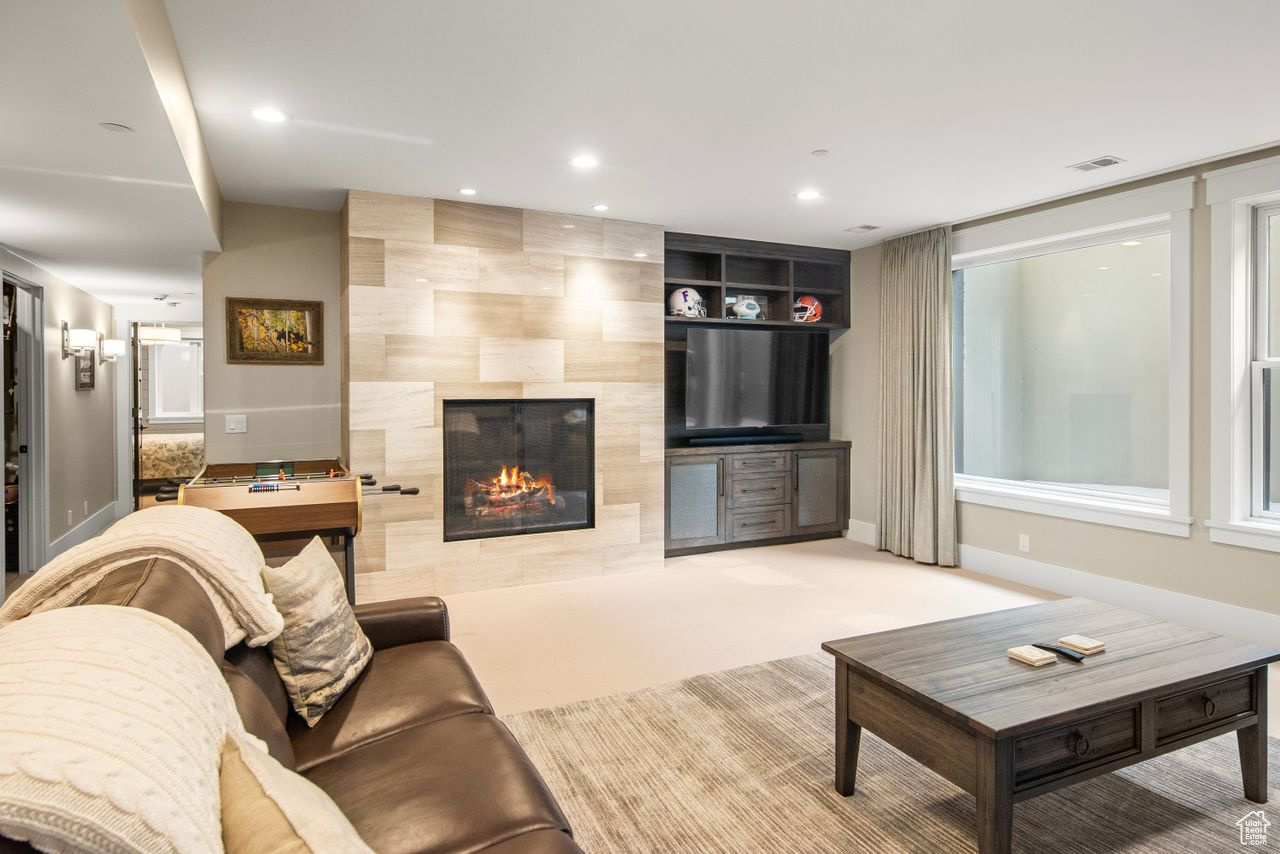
(1024,542)
(237,424)
(70,521)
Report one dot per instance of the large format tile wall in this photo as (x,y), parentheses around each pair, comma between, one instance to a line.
(444,300)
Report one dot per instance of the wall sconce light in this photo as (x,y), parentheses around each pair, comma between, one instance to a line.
(77,341)
(158,335)
(109,349)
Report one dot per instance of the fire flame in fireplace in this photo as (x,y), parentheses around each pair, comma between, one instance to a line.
(511,491)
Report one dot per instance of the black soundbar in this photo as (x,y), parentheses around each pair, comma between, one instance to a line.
(773,439)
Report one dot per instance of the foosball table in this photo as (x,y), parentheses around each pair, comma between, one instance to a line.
(279,501)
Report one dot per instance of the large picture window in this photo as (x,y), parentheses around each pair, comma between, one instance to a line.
(1061,369)
(176,381)
(1265,393)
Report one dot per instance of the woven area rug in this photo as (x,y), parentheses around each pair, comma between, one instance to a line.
(741,761)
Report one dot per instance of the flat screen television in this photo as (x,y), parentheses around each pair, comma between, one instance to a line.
(755,379)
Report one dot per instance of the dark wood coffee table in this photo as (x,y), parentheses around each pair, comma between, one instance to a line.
(947,695)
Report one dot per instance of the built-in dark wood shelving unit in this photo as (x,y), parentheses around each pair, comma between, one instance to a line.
(776,274)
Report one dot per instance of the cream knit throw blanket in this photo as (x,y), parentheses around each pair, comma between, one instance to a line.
(112,722)
(220,554)
(112,727)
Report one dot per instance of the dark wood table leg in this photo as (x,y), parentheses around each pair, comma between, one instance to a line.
(1253,746)
(349,567)
(994,791)
(848,735)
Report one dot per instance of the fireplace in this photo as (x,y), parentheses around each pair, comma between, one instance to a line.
(518,467)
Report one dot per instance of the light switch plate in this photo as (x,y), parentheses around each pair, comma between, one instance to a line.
(237,424)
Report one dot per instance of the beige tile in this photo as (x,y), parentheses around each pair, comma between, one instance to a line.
(611,361)
(520,360)
(368,452)
(624,239)
(563,234)
(415,454)
(389,311)
(398,584)
(473,391)
(383,508)
(632,483)
(365,260)
(597,278)
(616,525)
(481,226)
(489,575)
(624,320)
(388,217)
(366,357)
(428,357)
(407,541)
(556,317)
(471,315)
(392,405)
(425,266)
(534,273)
(564,390)
(371,552)
(513,548)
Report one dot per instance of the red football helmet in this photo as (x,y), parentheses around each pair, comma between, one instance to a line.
(807,309)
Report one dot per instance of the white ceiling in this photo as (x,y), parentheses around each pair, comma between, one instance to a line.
(113,213)
(703,112)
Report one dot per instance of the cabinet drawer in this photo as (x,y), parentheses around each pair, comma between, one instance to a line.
(758,524)
(1203,707)
(1062,749)
(747,463)
(766,489)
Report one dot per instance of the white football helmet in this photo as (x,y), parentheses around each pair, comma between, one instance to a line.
(686,302)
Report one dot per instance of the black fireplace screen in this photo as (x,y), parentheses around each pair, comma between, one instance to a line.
(518,467)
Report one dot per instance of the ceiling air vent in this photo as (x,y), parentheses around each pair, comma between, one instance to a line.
(859,228)
(1096,163)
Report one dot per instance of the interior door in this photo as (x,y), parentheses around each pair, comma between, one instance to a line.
(818,488)
(695,500)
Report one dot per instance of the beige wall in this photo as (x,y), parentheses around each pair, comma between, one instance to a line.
(855,385)
(451,300)
(1193,566)
(81,424)
(293,410)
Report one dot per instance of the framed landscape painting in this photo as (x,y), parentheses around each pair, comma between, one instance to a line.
(275,331)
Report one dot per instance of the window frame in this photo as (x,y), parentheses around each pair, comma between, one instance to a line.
(153,387)
(1158,209)
(1238,198)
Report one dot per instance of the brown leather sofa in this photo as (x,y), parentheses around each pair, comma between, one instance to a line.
(412,753)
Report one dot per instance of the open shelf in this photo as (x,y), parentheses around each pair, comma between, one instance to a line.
(722,270)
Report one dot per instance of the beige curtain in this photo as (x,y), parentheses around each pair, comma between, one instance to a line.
(917,516)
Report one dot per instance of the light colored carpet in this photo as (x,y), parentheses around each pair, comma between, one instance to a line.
(741,761)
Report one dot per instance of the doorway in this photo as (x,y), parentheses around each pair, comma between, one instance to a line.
(168,405)
(22,372)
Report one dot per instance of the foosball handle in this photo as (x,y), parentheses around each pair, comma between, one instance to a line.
(369,482)
(411,490)
(166,496)
(393,487)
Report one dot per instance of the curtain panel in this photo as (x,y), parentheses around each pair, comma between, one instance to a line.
(917,511)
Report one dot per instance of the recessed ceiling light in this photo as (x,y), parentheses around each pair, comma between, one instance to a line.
(567,225)
(642,255)
(1131,243)
(808,195)
(585,161)
(115,127)
(858,228)
(1104,268)
(819,152)
(1157,274)
(599,208)
(269,114)
(468,191)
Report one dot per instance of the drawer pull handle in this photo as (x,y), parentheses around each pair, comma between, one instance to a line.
(1080,746)
(754,524)
(1209,706)
(759,489)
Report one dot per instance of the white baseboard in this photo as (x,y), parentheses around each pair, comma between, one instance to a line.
(861,532)
(86,530)
(1258,627)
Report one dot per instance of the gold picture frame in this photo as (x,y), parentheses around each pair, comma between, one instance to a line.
(274,331)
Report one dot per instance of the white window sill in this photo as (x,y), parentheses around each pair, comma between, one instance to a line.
(1142,514)
(1249,533)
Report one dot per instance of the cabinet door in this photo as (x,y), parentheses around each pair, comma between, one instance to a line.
(695,501)
(819,491)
